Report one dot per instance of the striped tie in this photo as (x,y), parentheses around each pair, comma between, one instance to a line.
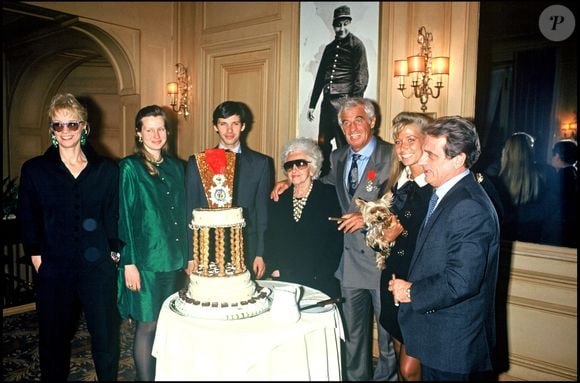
(432,203)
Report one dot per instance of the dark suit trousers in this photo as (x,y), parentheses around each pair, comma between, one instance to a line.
(60,298)
(328,128)
(357,310)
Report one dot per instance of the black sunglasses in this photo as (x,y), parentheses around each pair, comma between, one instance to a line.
(58,126)
(300,164)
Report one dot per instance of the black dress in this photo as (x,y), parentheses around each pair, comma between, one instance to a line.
(308,251)
(537,221)
(410,205)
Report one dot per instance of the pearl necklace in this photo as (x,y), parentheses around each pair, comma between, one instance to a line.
(299,203)
(156,162)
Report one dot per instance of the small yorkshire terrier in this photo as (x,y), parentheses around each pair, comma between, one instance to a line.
(376,215)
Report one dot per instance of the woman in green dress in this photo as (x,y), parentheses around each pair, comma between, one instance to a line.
(152,225)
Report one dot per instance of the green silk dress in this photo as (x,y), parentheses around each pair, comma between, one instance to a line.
(153,228)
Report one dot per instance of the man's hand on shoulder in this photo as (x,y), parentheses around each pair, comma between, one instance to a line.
(279,188)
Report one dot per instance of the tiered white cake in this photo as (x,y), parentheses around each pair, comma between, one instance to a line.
(220,286)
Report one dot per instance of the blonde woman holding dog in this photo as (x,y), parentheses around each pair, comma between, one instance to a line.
(411,197)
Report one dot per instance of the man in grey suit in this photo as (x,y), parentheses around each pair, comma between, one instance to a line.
(252,183)
(358,274)
(447,312)
(359,277)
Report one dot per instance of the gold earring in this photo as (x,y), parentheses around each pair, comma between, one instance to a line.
(140,139)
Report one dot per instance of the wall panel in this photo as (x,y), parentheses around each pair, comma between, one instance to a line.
(227,15)
(542,313)
(245,71)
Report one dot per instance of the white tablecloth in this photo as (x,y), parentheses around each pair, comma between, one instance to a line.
(249,349)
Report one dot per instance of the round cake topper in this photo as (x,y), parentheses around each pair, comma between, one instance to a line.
(220,193)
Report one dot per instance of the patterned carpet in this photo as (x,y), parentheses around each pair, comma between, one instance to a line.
(20,351)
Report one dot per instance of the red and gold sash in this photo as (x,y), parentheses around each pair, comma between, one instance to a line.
(217,169)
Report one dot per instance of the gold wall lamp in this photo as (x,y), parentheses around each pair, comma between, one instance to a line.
(179,91)
(420,68)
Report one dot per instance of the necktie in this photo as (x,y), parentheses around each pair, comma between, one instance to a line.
(353,175)
(432,203)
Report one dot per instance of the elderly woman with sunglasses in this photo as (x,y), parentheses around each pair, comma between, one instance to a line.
(302,245)
(68,212)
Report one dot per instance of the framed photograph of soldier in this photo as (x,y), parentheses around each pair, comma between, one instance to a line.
(338,58)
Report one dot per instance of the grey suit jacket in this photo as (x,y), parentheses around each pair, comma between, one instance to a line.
(450,323)
(357,268)
(252,185)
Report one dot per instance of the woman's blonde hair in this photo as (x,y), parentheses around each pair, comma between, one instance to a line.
(67,101)
(400,121)
(518,170)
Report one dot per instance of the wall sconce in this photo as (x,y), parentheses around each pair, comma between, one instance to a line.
(420,68)
(568,130)
(178,91)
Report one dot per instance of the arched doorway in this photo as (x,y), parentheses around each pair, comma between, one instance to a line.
(47,52)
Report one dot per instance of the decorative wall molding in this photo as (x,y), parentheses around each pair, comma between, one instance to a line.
(542,306)
(121,46)
(542,312)
(218,17)
(540,369)
(245,69)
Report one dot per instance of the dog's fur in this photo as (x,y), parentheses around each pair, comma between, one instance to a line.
(376,215)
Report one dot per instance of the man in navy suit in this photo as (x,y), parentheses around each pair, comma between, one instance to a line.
(252,184)
(447,305)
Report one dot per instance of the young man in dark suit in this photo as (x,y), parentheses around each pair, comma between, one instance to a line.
(252,184)
(447,313)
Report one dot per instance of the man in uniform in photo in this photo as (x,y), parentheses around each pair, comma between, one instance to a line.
(343,72)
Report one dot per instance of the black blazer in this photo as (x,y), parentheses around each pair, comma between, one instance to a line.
(252,185)
(411,214)
(308,251)
(343,70)
(71,223)
(450,323)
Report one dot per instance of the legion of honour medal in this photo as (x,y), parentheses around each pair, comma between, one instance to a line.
(219,193)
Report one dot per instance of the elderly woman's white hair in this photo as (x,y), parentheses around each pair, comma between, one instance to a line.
(307,146)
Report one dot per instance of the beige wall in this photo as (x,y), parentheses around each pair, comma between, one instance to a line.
(145,35)
(542,313)
(249,52)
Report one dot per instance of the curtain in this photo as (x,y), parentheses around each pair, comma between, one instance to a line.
(532,101)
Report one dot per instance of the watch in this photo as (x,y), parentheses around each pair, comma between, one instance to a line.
(408,291)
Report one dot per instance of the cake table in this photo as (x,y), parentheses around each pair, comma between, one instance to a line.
(256,348)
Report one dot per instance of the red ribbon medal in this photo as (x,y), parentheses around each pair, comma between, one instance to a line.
(216,160)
